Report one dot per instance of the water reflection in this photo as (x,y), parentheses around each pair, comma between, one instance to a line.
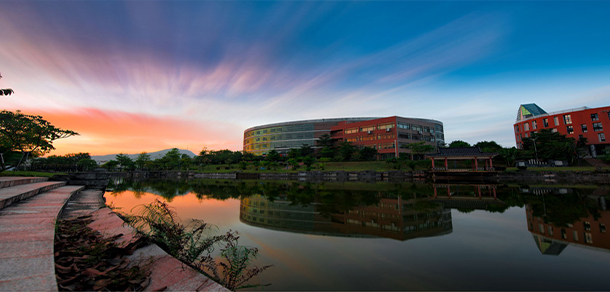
(558,217)
(409,236)
(394,218)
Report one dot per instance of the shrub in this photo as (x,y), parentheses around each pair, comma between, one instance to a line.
(193,244)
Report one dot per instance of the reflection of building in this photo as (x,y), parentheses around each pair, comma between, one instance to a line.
(588,232)
(391,218)
(384,134)
(590,123)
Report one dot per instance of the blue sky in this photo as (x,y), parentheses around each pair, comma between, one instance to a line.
(194,74)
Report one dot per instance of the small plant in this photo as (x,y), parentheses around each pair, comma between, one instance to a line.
(194,245)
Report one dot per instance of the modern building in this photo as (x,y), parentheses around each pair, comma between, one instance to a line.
(387,135)
(590,123)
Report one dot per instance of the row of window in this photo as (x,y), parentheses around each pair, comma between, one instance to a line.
(567,120)
(292,128)
(280,137)
(399,125)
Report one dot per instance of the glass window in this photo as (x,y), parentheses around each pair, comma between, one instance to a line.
(534,125)
(597,127)
(367,129)
(404,126)
(551,230)
(588,237)
(526,127)
(594,117)
(556,120)
(351,130)
(601,137)
(583,127)
(385,126)
(587,225)
(570,129)
(567,119)
(517,128)
(554,130)
(602,227)
(545,122)
(564,234)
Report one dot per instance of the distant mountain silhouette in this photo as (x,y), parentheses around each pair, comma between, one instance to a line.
(153,155)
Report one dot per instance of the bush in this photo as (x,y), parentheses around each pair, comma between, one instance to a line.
(193,245)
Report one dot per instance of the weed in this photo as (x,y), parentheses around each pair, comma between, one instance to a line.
(194,244)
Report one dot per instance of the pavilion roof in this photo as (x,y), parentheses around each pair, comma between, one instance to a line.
(460,153)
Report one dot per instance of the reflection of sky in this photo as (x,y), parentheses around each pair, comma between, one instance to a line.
(118,70)
(485,251)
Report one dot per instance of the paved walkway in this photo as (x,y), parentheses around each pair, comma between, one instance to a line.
(29,208)
(27,229)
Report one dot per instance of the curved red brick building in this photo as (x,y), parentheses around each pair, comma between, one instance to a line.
(590,123)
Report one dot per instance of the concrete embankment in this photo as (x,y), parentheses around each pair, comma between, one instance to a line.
(29,208)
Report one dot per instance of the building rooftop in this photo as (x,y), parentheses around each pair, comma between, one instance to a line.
(529,110)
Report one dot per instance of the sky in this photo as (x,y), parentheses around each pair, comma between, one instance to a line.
(134,76)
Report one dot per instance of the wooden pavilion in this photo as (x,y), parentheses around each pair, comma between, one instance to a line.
(462,153)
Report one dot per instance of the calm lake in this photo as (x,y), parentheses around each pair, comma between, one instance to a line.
(408,236)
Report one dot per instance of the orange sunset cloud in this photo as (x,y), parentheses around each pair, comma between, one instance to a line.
(107,132)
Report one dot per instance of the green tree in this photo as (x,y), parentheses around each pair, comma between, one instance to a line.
(306,151)
(294,163)
(87,164)
(309,161)
(171,159)
(110,165)
(458,143)
(346,151)
(28,135)
(547,144)
(125,162)
(509,155)
(368,153)
(325,141)
(489,146)
(419,149)
(272,155)
(142,160)
(294,153)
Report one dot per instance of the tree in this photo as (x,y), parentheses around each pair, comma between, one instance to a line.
(368,153)
(125,162)
(325,141)
(142,160)
(171,159)
(272,155)
(27,134)
(306,151)
(489,146)
(309,161)
(87,164)
(6,91)
(419,149)
(458,143)
(509,155)
(346,151)
(547,145)
(110,165)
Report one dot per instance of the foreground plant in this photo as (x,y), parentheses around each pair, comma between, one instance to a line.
(194,244)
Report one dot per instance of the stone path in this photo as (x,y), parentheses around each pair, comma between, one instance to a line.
(27,229)
(29,208)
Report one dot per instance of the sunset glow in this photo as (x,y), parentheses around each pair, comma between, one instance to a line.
(133,76)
